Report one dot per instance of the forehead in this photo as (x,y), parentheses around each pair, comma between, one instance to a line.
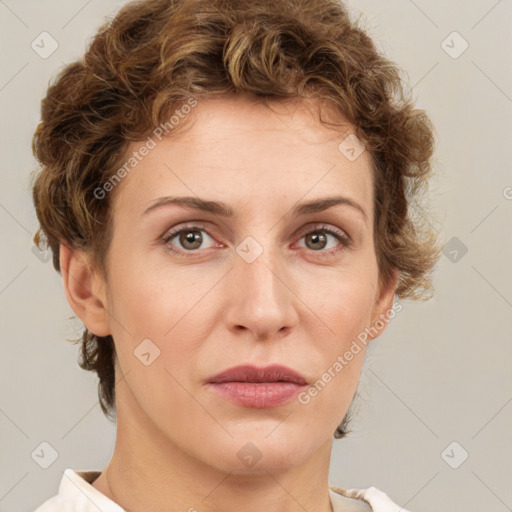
(234,149)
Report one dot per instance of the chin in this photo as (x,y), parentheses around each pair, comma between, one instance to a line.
(254,451)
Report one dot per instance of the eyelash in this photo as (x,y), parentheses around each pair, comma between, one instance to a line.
(339,235)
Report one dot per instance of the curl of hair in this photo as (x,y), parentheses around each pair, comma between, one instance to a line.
(154,55)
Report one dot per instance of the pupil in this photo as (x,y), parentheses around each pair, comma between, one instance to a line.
(190,238)
(318,238)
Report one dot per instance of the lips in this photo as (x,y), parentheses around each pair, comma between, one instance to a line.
(249,373)
(260,388)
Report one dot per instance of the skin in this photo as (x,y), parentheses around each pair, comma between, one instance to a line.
(177,441)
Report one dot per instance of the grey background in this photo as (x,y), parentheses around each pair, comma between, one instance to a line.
(440,373)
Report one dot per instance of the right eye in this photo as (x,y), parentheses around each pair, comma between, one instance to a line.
(189,237)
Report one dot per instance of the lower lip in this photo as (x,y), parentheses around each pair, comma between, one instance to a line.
(258,395)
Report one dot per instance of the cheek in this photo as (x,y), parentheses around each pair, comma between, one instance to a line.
(342,311)
(343,299)
(160,322)
(154,334)
(153,301)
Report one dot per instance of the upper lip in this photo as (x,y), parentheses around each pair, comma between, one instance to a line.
(250,373)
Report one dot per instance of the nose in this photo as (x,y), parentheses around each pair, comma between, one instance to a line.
(261,298)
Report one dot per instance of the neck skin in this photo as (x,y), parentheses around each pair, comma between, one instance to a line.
(149,473)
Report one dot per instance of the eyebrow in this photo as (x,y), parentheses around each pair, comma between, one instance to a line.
(224,210)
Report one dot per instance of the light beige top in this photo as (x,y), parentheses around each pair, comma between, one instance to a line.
(76,494)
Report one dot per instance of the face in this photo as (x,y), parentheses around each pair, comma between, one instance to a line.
(192,292)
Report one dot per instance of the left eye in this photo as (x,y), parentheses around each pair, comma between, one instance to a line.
(320,237)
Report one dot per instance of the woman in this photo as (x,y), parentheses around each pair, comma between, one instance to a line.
(225,188)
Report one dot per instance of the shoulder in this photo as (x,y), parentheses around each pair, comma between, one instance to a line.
(372,498)
(54,504)
(76,494)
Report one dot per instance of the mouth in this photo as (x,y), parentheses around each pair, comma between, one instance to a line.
(259,388)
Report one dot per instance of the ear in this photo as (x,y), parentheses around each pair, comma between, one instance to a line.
(85,290)
(383,304)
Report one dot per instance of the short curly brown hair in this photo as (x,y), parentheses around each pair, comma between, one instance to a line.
(157,54)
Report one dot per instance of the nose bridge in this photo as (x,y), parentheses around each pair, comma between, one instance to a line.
(260,275)
(262,300)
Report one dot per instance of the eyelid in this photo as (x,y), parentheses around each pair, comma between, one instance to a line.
(192,226)
(321,226)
